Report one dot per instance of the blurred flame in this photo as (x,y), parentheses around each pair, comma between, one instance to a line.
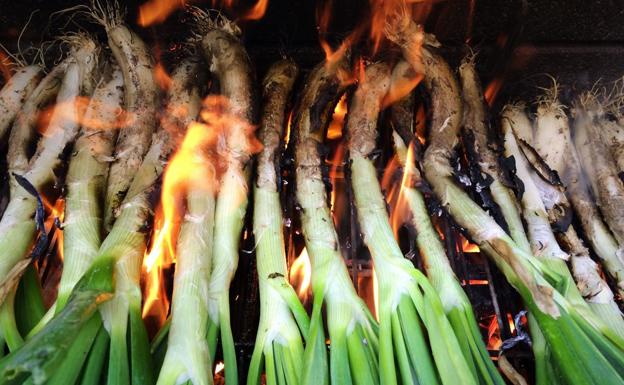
(5,66)
(494,341)
(162,77)
(468,247)
(334,131)
(492,89)
(157,11)
(420,126)
(396,196)
(74,111)
(512,324)
(257,11)
(301,275)
(193,165)
(57,212)
(288,128)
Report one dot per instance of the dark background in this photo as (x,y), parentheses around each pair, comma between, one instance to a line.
(577,41)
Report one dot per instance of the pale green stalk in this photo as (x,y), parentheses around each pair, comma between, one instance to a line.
(456,304)
(188,354)
(230,65)
(406,297)
(352,329)
(280,309)
(537,192)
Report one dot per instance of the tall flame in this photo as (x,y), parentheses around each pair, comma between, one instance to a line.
(334,131)
(301,275)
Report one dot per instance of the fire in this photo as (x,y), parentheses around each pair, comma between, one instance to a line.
(301,275)
(468,247)
(57,214)
(494,340)
(157,11)
(492,90)
(334,131)
(162,77)
(257,11)
(74,111)
(5,66)
(334,174)
(288,129)
(219,367)
(395,196)
(420,126)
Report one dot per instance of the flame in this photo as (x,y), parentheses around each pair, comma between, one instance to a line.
(74,111)
(420,126)
(334,131)
(396,192)
(157,11)
(492,90)
(335,173)
(200,158)
(468,247)
(475,282)
(494,340)
(5,66)
(301,274)
(288,129)
(162,77)
(219,367)
(257,11)
(512,324)
(57,213)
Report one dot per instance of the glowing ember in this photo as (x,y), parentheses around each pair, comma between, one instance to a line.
(494,341)
(300,274)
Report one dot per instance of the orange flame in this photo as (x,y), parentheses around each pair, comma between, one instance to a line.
(288,129)
(492,90)
(162,77)
(5,66)
(334,131)
(257,11)
(301,275)
(494,340)
(157,11)
(468,247)
(56,212)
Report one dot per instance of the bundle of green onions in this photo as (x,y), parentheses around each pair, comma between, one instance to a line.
(283,320)
(352,329)
(580,352)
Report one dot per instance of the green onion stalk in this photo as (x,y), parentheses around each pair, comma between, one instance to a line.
(85,185)
(613,131)
(580,353)
(456,304)
(553,142)
(187,357)
(417,343)
(18,223)
(234,112)
(352,328)
(538,193)
(476,125)
(116,267)
(283,319)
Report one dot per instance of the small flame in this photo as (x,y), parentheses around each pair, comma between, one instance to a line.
(57,213)
(334,131)
(219,367)
(5,66)
(468,247)
(512,324)
(162,77)
(492,90)
(288,129)
(157,11)
(420,126)
(301,274)
(494,341)
(334,174)
(257,11)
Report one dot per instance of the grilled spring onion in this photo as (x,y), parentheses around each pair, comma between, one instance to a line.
(454,300)
(141,102)
(475,125)
(613,136)
(126,242)
(15,92)
(352,329)
(230,65)
(553,142)
(18,224)
(406,297)
(598,165)
(545,204)
(279,341)
(580,353)
(188,354)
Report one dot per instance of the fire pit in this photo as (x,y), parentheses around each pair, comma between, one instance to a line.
(192,192)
